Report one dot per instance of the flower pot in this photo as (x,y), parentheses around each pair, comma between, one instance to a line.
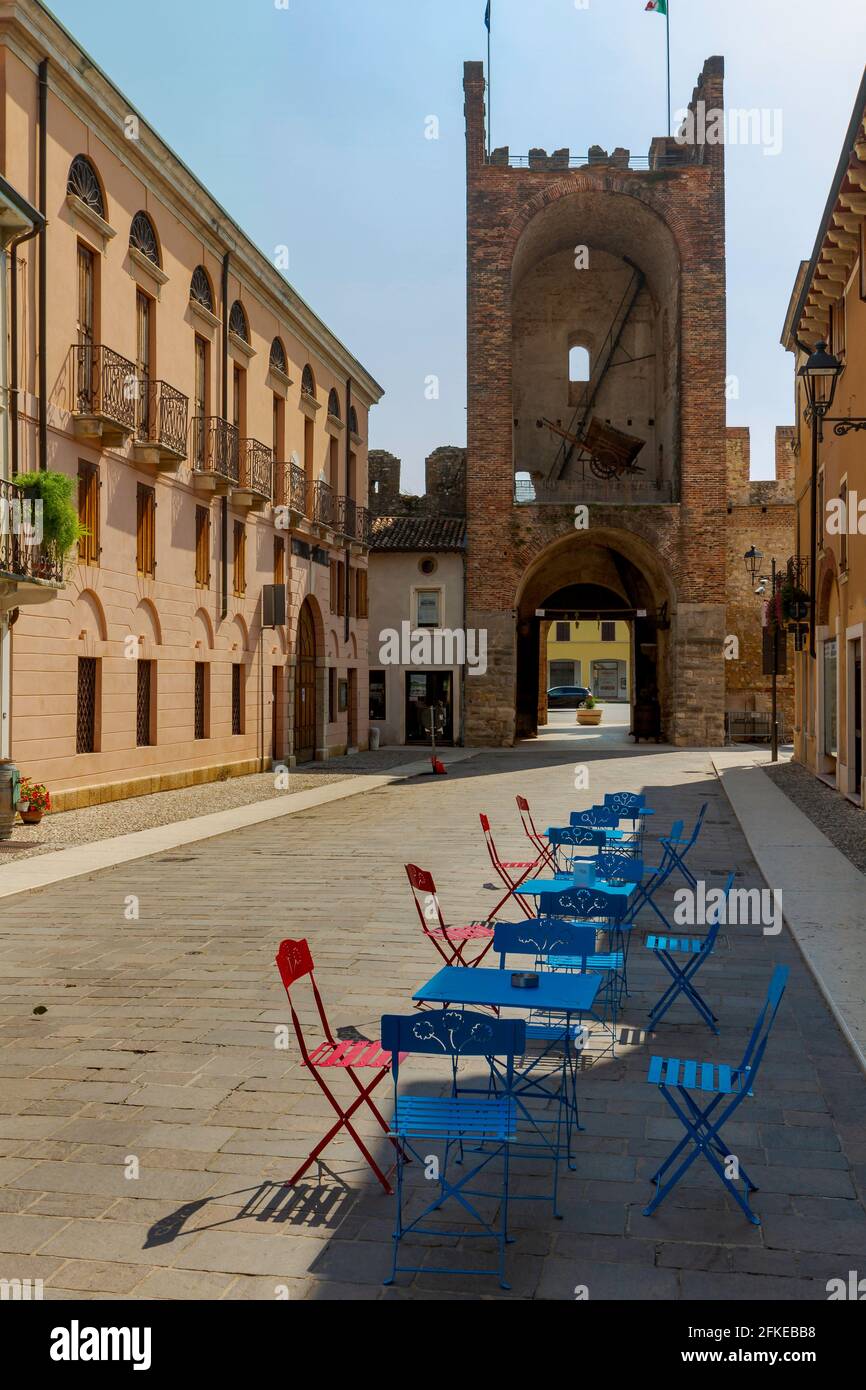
(30,817)
(589,716)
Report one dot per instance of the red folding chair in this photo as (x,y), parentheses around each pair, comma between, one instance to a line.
(450,941)
(504,869)
(538,841)
(294,962)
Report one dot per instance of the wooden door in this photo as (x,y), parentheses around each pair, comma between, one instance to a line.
(305,687)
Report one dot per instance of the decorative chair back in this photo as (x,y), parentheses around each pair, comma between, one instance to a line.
(564,840)
(425,897)
(548,936)
(586,902)
(294,962)
(598,817)
(453,1033)
(615,867)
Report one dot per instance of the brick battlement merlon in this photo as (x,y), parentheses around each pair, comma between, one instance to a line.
(664,152)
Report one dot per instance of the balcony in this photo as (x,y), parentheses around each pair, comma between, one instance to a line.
(104,395)
(161,424)
(253,487)
(215,454)
(324,507)
(29,571)
(353,522)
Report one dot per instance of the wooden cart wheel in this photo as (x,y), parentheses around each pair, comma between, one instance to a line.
(602,470)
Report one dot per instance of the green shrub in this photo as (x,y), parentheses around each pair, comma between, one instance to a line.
(61,526)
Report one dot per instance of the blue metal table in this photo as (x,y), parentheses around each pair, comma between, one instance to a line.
(546,887)
(557,991)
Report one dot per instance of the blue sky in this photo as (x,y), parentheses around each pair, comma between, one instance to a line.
(308,123)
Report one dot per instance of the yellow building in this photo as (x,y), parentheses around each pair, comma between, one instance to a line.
(594,654)
(828,307)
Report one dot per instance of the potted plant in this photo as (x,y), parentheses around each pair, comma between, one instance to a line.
(33,801)
(62,528)
(588,712)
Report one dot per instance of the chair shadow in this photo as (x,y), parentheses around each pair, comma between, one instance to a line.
(318,1205)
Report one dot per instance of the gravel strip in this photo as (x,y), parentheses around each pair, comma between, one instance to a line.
(839,819)
(82,827)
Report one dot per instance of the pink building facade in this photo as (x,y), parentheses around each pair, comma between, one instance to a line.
(217,433)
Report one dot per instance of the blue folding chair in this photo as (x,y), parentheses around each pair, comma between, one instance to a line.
(607,819)
(565,841)
(658,877)
(554,945)
(729,1087)
(695,950)
(460,1121)
(678,847)
(613,868)
(592,906)
(630,806)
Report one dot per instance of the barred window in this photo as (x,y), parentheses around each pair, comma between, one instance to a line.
(278,359)
(308,381)
(200,288)
(238,323)
(237,699)
(83,182)
(142,237)
(333,404)
(85,741)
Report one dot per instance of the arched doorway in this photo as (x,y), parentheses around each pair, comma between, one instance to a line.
(587,581)
(305,686)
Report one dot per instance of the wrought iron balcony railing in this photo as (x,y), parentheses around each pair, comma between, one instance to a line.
(106,384)
(23,554)
(297,484)
(162,414)
(256,466)
(347,517)
(324,504)
(215,447)
(363,526)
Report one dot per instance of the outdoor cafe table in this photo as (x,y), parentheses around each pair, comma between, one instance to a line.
(542,888)
(557,990)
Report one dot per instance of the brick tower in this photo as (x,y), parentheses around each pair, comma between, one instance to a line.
(623,260)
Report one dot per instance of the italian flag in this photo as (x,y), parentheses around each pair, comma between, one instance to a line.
(660,6)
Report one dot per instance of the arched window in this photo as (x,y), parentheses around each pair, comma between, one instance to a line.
(238,322)
(308,382)
(200,288)
(353,420)
(279,362)
(83,182)
(333,404)
(142,237)
(578,364)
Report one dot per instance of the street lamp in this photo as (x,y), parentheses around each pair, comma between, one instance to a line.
(820,374)
(752,560)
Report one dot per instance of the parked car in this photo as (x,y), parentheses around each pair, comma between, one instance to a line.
(566,696)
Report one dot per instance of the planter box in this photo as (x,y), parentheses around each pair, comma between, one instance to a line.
(589,716)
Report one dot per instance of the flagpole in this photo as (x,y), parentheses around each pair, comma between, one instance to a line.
(667,22)
(489,88)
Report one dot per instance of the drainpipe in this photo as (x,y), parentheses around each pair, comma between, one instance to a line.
(224,509)
(348,550)
(13,340)
(43,267)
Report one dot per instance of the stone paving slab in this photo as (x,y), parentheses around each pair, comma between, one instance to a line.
(158,1042)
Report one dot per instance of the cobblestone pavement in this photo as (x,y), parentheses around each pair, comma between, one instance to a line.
(92,823)
(149,1045)
(835,816)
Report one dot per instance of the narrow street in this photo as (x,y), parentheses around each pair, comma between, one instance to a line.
(149,1119)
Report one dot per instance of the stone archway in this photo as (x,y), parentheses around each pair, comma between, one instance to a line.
(604,570)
